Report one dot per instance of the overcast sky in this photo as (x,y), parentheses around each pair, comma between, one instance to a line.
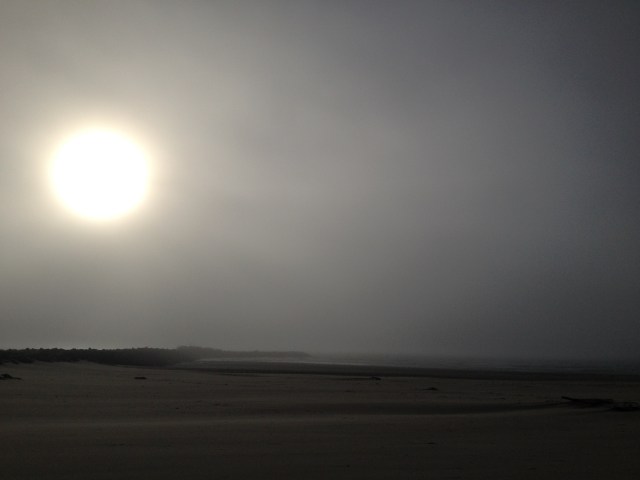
(431,177)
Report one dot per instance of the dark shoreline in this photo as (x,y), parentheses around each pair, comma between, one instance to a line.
(140,356)
(264,367)
(292,362)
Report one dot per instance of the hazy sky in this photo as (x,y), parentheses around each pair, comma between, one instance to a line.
(375,176)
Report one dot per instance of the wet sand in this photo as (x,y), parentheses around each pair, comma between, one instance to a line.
(88,421)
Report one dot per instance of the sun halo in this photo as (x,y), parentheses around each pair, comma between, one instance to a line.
(99,174)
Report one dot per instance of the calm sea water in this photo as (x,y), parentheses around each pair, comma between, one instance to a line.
(618,367)
(631,367)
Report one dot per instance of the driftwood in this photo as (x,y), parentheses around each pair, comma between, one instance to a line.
(590,402)
(626,406)
(601,402)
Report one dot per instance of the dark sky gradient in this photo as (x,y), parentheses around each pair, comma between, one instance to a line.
(431,177)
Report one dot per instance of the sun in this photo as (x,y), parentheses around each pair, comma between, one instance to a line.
(100,174)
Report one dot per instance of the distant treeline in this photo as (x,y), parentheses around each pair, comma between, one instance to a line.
(133,356)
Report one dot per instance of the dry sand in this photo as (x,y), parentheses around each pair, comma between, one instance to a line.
(87,421)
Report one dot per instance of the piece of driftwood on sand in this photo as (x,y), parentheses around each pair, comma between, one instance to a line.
(601,402)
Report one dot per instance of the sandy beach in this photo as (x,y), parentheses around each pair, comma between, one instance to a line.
(89,421)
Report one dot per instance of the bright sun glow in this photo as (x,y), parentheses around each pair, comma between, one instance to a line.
(100,174)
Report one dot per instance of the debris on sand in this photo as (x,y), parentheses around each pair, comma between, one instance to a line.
(139,378)
(600,402)
(626,406)
(590,402)
(366,379)
(6,376)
